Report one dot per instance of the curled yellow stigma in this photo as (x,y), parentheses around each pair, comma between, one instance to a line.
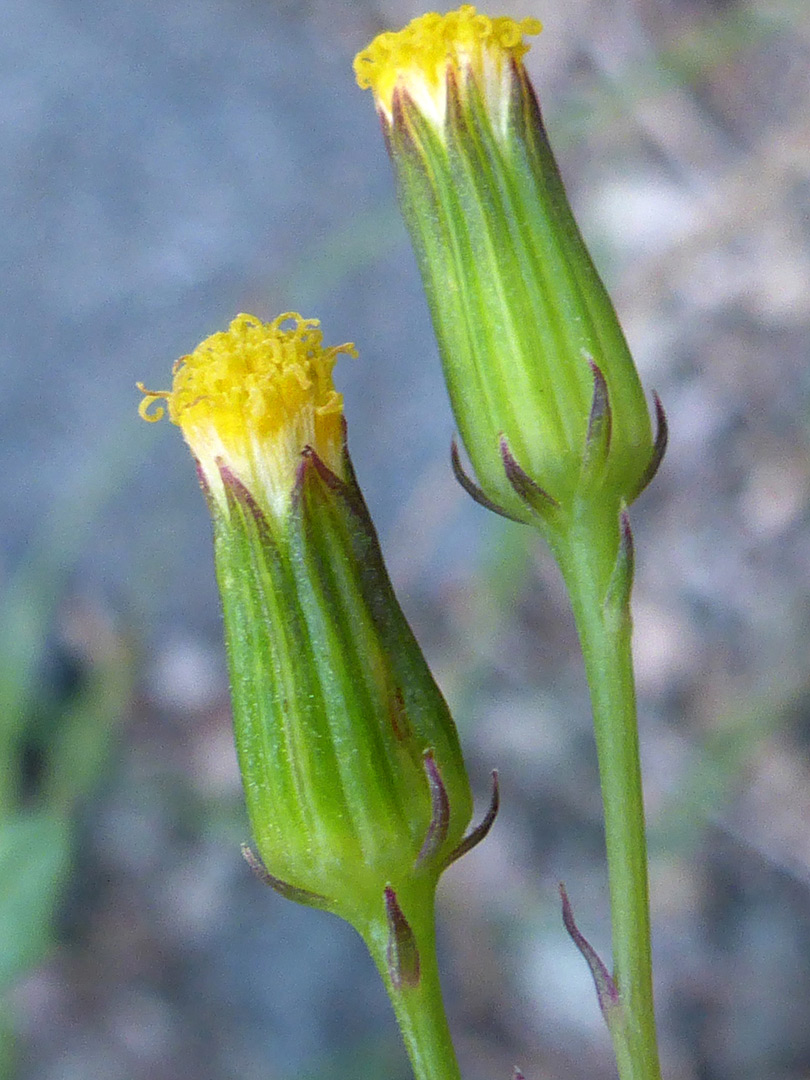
(418,57)
(252,398)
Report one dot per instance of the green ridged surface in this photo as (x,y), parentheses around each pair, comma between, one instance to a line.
(334,706)
(516,302)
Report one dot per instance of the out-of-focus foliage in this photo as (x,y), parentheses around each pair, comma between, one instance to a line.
(55,740)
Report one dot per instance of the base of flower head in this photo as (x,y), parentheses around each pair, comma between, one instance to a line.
(595,465)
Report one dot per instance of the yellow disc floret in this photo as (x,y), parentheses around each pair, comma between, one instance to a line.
(418,57)
(252,398)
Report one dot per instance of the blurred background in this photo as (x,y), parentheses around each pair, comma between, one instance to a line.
(166,165)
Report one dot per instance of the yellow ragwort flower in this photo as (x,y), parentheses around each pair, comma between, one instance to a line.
(352,770)
(417,59)
(251,398)
(541,380)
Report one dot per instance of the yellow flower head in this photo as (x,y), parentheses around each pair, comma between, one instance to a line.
(251,399)
(418,58)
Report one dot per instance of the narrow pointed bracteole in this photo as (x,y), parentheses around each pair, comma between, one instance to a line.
(440,812)
(617,596)
(237,492)
(311,456)
(311,461)
(205,487)
(606,990)
(659,446)
(289,892)
(402,953)
(600,425)
(474,838)
(472,489)
(535,497)
(344,487)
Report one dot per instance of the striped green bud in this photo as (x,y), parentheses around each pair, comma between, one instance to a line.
(352,770)
(546,396)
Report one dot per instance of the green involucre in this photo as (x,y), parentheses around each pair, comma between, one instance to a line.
(519,310)
(334,706)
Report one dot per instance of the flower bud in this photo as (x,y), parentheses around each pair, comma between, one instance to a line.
(546,396)
(353,775)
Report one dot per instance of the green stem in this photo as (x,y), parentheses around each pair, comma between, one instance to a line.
(419,1009)
(587,555)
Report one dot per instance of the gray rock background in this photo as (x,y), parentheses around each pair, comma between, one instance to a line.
(165,165)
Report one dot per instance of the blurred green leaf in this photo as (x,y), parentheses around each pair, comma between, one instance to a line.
(30,597)
(80,746)
(34,858)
